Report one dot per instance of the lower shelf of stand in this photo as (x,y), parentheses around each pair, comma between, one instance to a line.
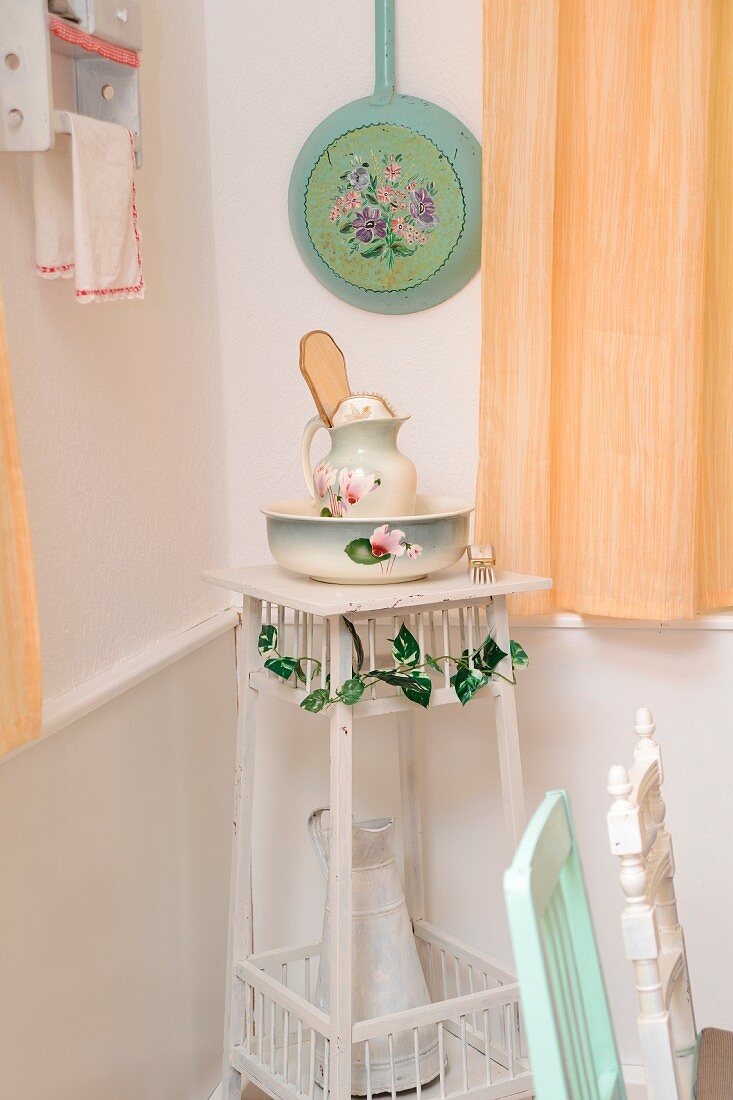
(502,1085)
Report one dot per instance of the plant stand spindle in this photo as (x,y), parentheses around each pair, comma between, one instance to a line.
(273,1026)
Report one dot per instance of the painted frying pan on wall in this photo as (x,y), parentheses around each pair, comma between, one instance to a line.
(385,196)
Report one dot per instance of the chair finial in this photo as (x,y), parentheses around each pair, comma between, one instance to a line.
(619,785)
(644,722)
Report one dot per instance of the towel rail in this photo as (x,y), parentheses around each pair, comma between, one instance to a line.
(106,70)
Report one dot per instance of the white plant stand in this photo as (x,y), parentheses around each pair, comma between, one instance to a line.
(272,1023)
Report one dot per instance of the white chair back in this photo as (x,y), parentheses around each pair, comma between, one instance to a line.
(653,935)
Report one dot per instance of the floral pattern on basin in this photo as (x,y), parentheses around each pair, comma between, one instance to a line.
(383,547)
(384,207)
(342,489)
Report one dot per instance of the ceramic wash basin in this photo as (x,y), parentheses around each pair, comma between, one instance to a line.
(375,550)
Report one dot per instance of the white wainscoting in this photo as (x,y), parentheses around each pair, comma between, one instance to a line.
(114,866)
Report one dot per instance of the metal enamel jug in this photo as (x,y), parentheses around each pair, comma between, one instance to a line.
(387,975)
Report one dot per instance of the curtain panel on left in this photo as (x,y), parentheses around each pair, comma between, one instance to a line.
(20,655)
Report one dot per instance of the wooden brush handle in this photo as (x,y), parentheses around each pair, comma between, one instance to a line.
(323,366)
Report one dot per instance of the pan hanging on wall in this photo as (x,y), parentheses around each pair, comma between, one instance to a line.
(385,196)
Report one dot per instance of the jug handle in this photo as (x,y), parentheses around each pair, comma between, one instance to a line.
(315,832)
(309,432)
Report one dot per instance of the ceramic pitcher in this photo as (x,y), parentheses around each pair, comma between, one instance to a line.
(364,474)
(386,972)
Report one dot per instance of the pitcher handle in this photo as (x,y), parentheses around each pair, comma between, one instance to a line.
(315,831)
(309,432)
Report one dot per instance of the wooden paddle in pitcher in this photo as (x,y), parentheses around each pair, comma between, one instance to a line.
(323,366)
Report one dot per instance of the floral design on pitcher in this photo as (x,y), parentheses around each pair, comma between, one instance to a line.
(383,547)
(385,207)
(342,489)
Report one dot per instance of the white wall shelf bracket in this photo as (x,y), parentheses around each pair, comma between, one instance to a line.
(106,89)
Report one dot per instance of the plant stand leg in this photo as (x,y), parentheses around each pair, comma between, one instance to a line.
(411,822)
(412,830)
(510,761)
(339,880)
(240,944)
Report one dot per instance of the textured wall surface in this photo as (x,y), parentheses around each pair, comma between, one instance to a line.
(119,405)
(272,78)
(115,871)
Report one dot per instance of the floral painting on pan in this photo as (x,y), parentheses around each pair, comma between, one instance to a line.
(384,207)
(382,212)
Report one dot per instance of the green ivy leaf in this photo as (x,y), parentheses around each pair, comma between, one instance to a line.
(326,512)
(467,682)
(267,640)
(358,647)
(346,227)
(305,664)
(433,663)
(391,676)
(316,701)
(375,250)
(351,691)
(282,666)
(405,649)
(402,250)
(360,551)
(418,688)
(488,655)
(519,655)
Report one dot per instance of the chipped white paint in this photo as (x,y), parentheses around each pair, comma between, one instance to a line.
(275,1035)
(653,935)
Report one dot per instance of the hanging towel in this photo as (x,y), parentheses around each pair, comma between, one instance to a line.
(86,214)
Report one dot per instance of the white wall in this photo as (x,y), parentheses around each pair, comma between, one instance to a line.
(115,831)
(271,79)
(114,865)
(119,405)
(275,72)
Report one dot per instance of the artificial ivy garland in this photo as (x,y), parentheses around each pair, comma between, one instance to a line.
(473,669)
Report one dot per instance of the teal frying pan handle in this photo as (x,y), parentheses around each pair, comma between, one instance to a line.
(383,52)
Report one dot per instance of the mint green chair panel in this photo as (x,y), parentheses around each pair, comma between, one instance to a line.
(570,1037)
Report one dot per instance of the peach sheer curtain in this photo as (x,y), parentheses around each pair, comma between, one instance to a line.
(20,662)
(606,417)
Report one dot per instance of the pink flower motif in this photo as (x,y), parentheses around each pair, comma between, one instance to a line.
(334,214)
(384,193)
(324,477)
(384,542)
(411,186)
(398,227)
(351,200)
(393,172)
(354,484)
(414,551)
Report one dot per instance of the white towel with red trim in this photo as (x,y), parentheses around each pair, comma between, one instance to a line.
(86,212)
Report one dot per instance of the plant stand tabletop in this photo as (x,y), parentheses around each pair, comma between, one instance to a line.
(316,645)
